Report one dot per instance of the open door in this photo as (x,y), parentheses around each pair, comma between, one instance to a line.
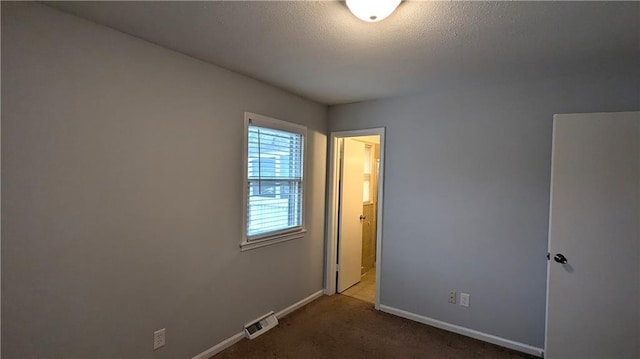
(350,221)
(593,310)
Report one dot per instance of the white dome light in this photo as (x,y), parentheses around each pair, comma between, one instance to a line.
(372,10)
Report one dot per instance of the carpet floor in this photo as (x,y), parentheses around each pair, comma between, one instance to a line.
(342,327)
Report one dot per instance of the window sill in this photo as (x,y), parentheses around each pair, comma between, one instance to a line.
(263,242)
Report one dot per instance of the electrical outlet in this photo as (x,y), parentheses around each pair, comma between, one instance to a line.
(159,338)
(452,297)
(464,299)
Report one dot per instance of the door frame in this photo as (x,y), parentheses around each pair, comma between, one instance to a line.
(331,232)
(546,304)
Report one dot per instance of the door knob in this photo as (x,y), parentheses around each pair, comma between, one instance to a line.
(560,258)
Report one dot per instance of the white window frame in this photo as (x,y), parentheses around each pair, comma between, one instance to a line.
(276,236)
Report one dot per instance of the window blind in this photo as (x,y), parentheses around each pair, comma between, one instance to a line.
(274,180)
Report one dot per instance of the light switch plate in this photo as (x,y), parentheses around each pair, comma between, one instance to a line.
(464,299)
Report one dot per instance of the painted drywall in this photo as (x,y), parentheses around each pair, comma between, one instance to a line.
(319,49)
(466,201)
(121,195)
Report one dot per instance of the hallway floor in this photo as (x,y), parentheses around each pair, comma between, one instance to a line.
(366,289)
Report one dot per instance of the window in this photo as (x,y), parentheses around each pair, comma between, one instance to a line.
(274,185)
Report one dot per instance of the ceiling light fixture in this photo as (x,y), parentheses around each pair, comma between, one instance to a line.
(372,10)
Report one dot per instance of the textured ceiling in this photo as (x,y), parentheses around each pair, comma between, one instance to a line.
(320,51)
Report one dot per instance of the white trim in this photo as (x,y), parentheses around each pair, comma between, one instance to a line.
(546,307)
(220,346)
(287,234)
(489,338)
(245,246)
(297,305)
(380,217)
(332,217)
(270,122)
(332,208)
(239,336)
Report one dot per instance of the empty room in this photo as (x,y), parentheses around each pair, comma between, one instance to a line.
(320,179)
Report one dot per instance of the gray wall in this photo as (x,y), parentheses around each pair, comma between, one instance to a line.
(467,195)
(121,195)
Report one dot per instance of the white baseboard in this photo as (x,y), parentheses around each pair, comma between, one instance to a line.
(299,304)
(524,348)
(220,346)
(239,336)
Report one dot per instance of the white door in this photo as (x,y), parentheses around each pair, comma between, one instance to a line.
(350,225)
(593,300)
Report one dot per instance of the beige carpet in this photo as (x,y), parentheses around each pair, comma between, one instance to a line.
(342,327)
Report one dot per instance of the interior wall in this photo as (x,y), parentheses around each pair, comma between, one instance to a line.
(121,195)
(466,201)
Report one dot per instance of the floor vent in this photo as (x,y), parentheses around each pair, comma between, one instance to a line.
(260,325)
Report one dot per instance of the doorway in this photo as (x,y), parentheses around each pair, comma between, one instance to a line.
(354,213)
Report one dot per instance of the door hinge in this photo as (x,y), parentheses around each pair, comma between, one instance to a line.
(548,256)
(337,268)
